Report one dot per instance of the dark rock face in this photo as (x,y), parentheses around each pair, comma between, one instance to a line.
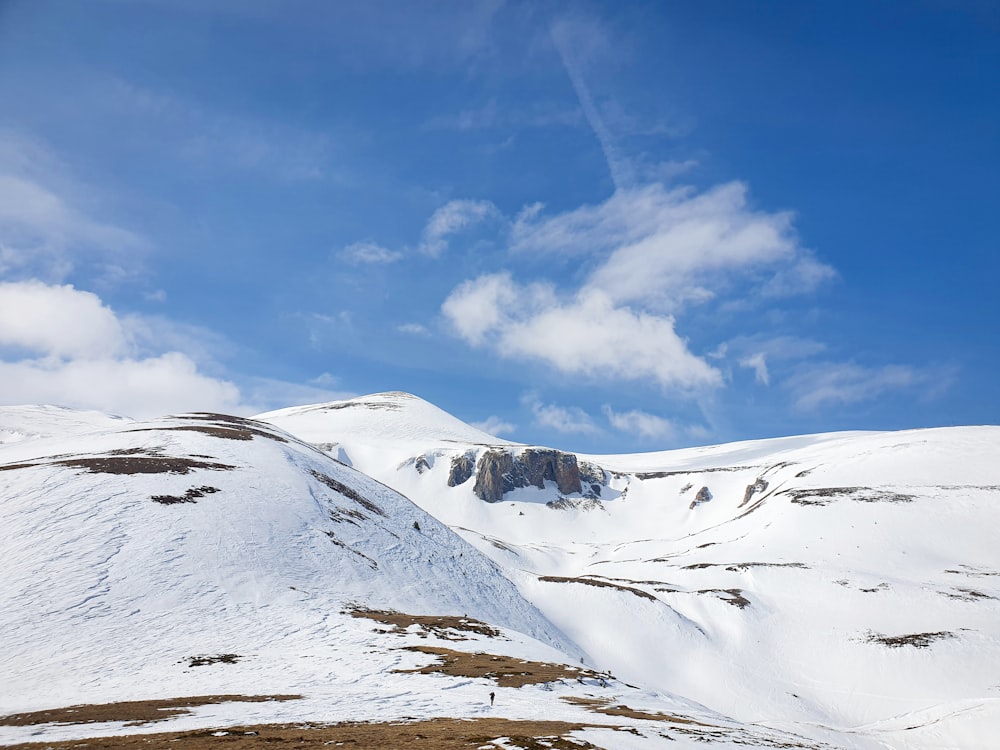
(703,496)
(461,469)
(501,471)
(495,476)
(759,486)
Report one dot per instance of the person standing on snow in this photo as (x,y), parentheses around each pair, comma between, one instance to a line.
(492,697)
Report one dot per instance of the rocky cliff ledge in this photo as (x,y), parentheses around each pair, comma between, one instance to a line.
(499,471)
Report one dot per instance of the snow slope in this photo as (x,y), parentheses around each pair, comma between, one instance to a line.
(19,423)
(211,555)
(847,581)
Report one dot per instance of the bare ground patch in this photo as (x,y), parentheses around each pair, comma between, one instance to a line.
(599,583)
(827,495)
(742,567)
(917,640)
(127,461)
(506,671)
(446,627)
(205,660)
(190,496)
(434,734)
(132,712)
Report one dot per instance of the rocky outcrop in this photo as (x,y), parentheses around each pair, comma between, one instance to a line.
(703,496)
(759,486)
(500,471)
(461,469)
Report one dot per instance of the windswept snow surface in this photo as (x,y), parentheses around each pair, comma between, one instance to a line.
(212,555)
(847,581)
(19,423)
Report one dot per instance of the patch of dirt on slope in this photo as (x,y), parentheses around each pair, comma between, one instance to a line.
(665,474)
(206,660)
(505,671)
(445,627)
(827,495)
(133,712)
(190,496)
(436,734)
(917,640)
(742,567)
(127,461)
(604,706)
(599,583)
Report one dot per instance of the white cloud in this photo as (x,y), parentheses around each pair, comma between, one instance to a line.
(452,218)
(495,425)
(134,387)
(571,419)
(834,383)
(758,363)
(665,248)
(368,252)
(61,345)
(641,423)
(585,334)
(57,321)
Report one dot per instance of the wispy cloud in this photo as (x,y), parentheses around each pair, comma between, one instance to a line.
(820,385)
(219,142)
(758,363)
(495,425)
(577,40)
(643,424)
(47,227)
(413,329)
(367,253)
(669,247)
(513,115)
(453,218)
(565,419)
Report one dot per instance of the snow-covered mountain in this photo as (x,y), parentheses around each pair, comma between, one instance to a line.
(848,580)
(836,590)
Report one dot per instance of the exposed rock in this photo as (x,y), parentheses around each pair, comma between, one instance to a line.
(421,464)
(759,486)
(461,469)
(500,471)
(703,496)
(494,476)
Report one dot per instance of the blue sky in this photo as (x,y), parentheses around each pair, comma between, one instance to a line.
(605,227)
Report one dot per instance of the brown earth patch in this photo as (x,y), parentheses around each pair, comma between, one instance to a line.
(133,712)
(442,626)
(190,496)
(604,706)
(506,671)
(127,462)
(600,583)
(827,495)
(917,640)
(436,734)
